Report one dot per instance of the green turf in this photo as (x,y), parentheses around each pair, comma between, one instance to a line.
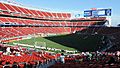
(49,43)
(67,42)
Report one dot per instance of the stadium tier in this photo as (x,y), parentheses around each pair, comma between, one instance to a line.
(110,34)
(35,58)
(56,27)
(20,11)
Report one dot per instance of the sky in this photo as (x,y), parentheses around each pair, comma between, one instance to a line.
(77,5)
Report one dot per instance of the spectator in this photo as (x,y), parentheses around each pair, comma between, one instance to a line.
(8,51)
(14,65)
(62,58)
(118,55)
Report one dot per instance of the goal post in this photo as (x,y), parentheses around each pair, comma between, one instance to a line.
(41,45)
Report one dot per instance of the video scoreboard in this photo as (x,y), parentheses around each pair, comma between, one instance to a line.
(97,13)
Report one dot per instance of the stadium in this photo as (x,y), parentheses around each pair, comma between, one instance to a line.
(35,38)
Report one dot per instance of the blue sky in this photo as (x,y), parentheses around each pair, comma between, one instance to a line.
(77,5)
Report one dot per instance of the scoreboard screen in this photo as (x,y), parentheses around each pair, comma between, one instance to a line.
(99,12)
(87,13)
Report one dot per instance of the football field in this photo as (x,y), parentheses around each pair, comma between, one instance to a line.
(66,42)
